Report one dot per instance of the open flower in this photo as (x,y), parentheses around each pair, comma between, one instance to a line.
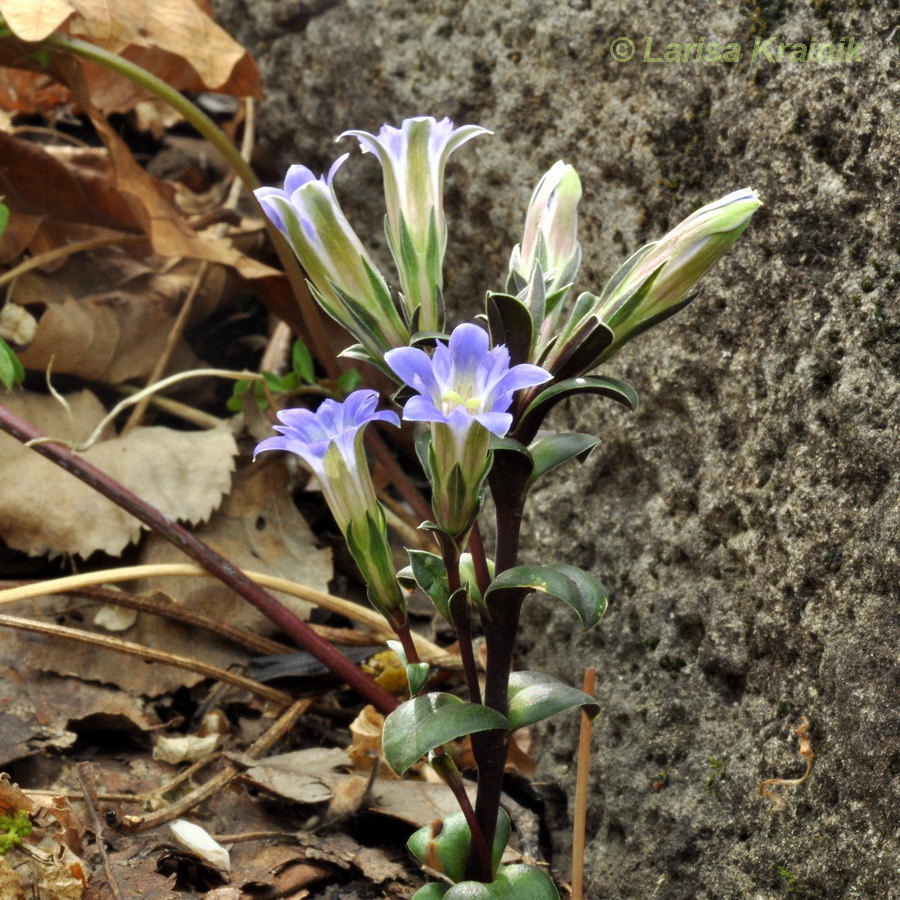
(413,158)
(330,443)
(464,391)
(343,277)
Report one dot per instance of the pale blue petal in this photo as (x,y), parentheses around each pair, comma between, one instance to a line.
(497,423)
(414,367)
(296,177)
(422,409)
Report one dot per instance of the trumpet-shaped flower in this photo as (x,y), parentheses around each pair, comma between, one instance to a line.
(464,391)
(343,276)
(330,443)
(413,158)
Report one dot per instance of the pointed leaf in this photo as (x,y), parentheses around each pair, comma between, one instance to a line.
(302,362)
(429,721)
(416,673)
(430,575)
(534,697)
(510,323)
(583,348)
(580,590)
(613,388)
(555,449)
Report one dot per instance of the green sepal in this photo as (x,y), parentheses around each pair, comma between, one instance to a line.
(423,452)
(534,697)
(617,390)
(433,891)
(447,851)
(358,351)
(555,449)
(516,882)
(510,323)
(11,370)
(583,348)
(416,673)
(429,721)
(575,587)
(624,270)
(427,338)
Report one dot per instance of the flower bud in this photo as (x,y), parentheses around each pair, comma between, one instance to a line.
(655,282)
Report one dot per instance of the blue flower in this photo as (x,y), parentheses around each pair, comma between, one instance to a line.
(342,275)
(330,443)
(464,382)
(465,391)
(413,158)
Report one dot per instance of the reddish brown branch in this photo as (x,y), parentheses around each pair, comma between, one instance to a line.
(192,546)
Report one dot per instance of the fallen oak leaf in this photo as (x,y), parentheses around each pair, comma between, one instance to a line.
(185,474)
(175,39)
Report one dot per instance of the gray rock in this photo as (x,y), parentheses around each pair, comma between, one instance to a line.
(746,517)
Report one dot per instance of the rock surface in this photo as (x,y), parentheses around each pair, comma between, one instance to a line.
(746,517)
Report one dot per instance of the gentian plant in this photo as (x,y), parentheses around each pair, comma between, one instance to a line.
(482,393)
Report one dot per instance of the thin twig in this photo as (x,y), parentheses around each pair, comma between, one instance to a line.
(89,792)
(218,782)
(146,653)
(431,652)
(581,792)
(202,553)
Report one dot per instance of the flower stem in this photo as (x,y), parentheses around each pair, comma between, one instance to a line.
(192,546)
(479,559)
(409,647)
(462,623)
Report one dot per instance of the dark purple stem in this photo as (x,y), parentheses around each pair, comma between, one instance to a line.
(491,748)
(217,565)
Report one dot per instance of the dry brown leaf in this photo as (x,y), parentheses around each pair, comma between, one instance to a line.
(10,886)
(106,317)
(313,776)
(175,39)
(73,187)
(45,509)
(258,527)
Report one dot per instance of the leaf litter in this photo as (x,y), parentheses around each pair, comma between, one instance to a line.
(99,255)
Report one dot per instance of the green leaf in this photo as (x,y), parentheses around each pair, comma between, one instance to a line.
(534,697)
(429,721)
(447,851)
(349,381)
(273,382)
(555,449)
(516,882)
(617,390)
(433,891)
(416,673)
(575,587)
(11,370)
(302,362)
(4,217)
(510,323)
(430,574)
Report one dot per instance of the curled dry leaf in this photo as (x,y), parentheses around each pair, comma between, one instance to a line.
(185,474)
(175,39)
